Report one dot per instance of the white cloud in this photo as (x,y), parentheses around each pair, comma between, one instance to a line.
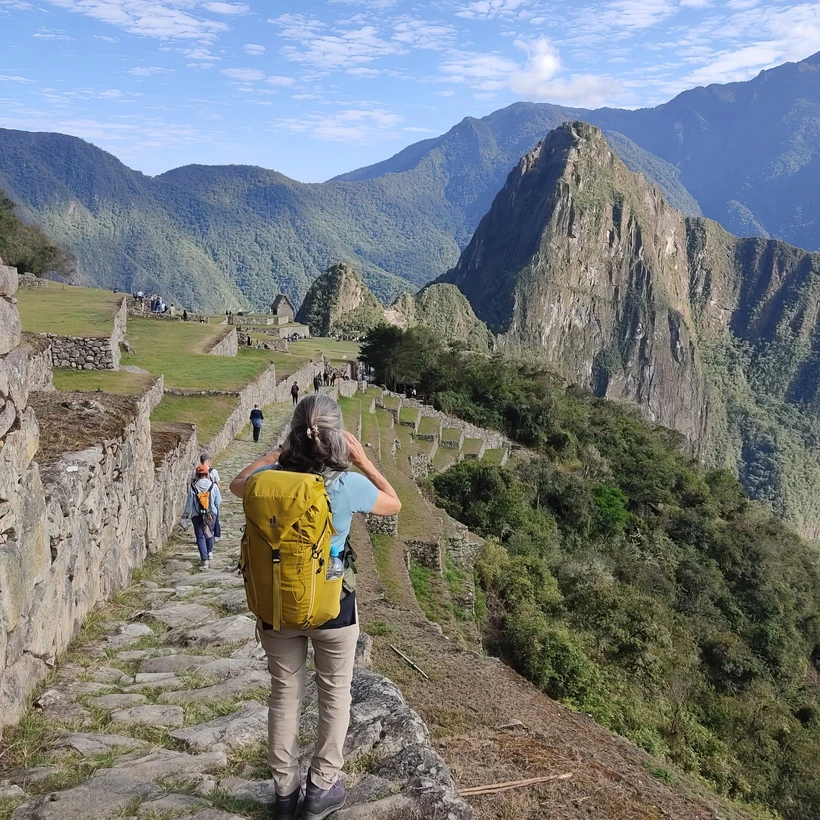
(280,81)
(482,72)
(421,34)
(106,38)
(490,9)
(149,71)
(244,75)
(343,50)
(14,78)
(355,125)
(202,53)
(539,81)
(254,49)
(49,34)
(165,19)
(226,8)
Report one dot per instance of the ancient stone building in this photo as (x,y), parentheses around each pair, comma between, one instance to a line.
(282,309)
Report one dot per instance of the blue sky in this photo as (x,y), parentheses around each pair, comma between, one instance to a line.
(314,89)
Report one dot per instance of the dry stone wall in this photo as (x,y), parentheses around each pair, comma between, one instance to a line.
(228,345)
(40,362)
(91,352)
(27,281)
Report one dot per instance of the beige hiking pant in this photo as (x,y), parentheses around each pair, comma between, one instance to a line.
(335,652)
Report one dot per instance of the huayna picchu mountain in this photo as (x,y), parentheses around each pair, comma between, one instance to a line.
(714,336)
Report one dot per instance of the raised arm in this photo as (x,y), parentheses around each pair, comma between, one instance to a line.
(388,501)
(238,484)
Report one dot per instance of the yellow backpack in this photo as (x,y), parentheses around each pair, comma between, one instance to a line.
(286,549)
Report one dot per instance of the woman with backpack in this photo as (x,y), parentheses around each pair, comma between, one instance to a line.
(316,446)
(202,508)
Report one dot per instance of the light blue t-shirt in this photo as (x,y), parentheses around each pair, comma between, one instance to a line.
(349,493)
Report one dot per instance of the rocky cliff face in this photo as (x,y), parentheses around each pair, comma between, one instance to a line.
(339,302)
(580,259)
(714,336)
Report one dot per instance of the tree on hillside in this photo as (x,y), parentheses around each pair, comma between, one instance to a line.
(400,356)
(28,248)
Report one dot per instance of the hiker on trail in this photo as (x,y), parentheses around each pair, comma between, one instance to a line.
(256,421)
(185,315)
(294,393)
(213,474)
(317,383)
(202,508)
(317,445)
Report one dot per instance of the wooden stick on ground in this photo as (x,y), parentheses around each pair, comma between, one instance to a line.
(497,788)
(417,668)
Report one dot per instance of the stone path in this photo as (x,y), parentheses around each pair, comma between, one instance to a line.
(158,710)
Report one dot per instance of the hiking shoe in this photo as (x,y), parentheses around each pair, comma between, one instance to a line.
(217,538)
(286,806)
(204,564)
(319,803)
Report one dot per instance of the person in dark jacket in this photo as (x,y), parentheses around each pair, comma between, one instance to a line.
(256,421)
(294,393)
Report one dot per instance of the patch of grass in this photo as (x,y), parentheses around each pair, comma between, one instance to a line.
(493,457)
(391,403)
(658,772)
(120,382)
(472,446)
(377,628)
(67,310)
(429,426)
(208,413)
(451,434)
(422,587)
(409,414)
(335,349)
(8,805)
(383,546)
(250,762)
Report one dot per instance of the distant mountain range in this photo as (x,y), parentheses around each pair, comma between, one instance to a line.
(746,154)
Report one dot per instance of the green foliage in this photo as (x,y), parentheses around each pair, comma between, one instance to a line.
(27,247)
(627,581)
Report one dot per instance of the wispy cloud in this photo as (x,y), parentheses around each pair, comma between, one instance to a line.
(226,8)
(49,34)
(253,49)
(490,9)
(15,78)
(483,72)
(149,71)
(422,34)
(245,75)
(355,125)
(166,19)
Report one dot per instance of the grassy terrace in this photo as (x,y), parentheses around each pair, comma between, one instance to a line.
(391,403)
(451,434)
(472,446)
(208,413)
(409,414)
(429,426)
(335,350)
(67,310)
(118,382)
(444,458)
(492,457)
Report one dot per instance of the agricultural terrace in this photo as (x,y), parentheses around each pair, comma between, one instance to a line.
(175,350)
(66,310)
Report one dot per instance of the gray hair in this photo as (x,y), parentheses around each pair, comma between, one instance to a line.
(316,442)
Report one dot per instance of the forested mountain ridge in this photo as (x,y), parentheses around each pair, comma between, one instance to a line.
(584,262)
(230,236)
